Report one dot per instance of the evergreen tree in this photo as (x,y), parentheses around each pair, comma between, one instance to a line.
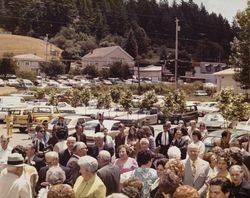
(240,57)
(131,45)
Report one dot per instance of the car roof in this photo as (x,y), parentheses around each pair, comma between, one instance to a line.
(234,133)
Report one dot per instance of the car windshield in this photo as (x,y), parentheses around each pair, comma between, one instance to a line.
(90,126)
(214,117)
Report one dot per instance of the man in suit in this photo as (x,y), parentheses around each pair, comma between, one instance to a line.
(164,139)
(52,159)
(108,173)
(196,171)
(66,154)
(79,135)
(240,187)
(31,157)
(80,149)
(180,143)
(99,146)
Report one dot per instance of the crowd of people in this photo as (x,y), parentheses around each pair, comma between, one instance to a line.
(137,164)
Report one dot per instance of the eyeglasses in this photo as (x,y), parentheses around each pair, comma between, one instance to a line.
(42,131)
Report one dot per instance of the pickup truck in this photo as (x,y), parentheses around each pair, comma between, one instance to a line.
(39,114)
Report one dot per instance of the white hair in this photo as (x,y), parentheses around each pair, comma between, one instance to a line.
(236,168)
(78,146)
(89,163)
(55,175)
(174,152)
(144,140)
(52,154)
(105,155)
(193,145)
(71,138)
(117,195)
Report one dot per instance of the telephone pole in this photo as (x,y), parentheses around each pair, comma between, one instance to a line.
(177,28)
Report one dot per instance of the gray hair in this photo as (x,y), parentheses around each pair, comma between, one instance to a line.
(117,195)
(52,154)
(105,156)
(78,146)
(144,140)
(89,163)
(174,152)
(55,175)
(71,138)
(236,168)
(193,145)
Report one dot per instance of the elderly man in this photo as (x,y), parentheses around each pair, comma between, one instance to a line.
(196,170)
(108,173)
(219,187)
(89,184)
(52,159)
(12,185)
(99,146)
(5,150)
(240,187)
(67,153)
(80,149)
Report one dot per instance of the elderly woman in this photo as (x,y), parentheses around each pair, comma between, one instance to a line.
(124,162)
(55,175)
(61,191)
(89,184)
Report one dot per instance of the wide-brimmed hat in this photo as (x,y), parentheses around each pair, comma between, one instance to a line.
(15,159)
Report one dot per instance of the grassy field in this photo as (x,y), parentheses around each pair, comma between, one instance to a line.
(25,45)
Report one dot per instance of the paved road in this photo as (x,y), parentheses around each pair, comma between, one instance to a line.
(17,137)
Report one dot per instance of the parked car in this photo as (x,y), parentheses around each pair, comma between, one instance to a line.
(200,93)
(89,129)
(207,107)
(13,83)
(237,135)
(71,121)
(2,83)
(215,121)
(27,95)
(244,125)
(190,113)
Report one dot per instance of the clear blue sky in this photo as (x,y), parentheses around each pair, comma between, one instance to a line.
(227,8)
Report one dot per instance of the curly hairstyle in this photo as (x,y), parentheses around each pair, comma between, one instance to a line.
(185,192)
(132,187)
(176,166)
(61,191)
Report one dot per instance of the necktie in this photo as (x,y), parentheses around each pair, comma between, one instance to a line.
(193,168)
(165,138)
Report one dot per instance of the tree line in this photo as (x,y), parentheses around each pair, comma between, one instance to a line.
(77,26)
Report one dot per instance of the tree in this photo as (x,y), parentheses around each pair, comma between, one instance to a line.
(120,70)
(85,96)
(7,65)
(131,45)
(52,68)
(91,70)
(115,94)
(148,99)
(232,107)
(126,101)
(240,56)
(141,40)
(104,100)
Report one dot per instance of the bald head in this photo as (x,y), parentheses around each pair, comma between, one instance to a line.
(104,158)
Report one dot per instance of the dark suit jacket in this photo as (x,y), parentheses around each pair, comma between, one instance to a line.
(163,148)
(42,176)
(83,138)
(110,175)
(94,151)
(182,145)
(37,162)
(64,157)
(242,191)
(74,167)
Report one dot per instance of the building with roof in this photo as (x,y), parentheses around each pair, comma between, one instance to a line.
(152,72)
(206,70)
(106,56)
(225,79)
(28,63)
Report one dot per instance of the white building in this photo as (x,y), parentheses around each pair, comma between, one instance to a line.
(153,72)
(106,56)
(225,79)
(206,70)
(28,63)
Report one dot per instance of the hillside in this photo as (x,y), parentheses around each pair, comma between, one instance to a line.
(25,45)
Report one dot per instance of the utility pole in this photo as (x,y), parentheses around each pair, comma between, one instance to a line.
(139,76)
(46,47)
(177,28)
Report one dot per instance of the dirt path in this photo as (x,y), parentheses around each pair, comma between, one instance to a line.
(7,90)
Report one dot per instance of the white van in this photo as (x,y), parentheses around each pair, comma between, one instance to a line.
(12,100)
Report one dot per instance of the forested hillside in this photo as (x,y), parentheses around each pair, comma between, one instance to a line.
(140,26)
